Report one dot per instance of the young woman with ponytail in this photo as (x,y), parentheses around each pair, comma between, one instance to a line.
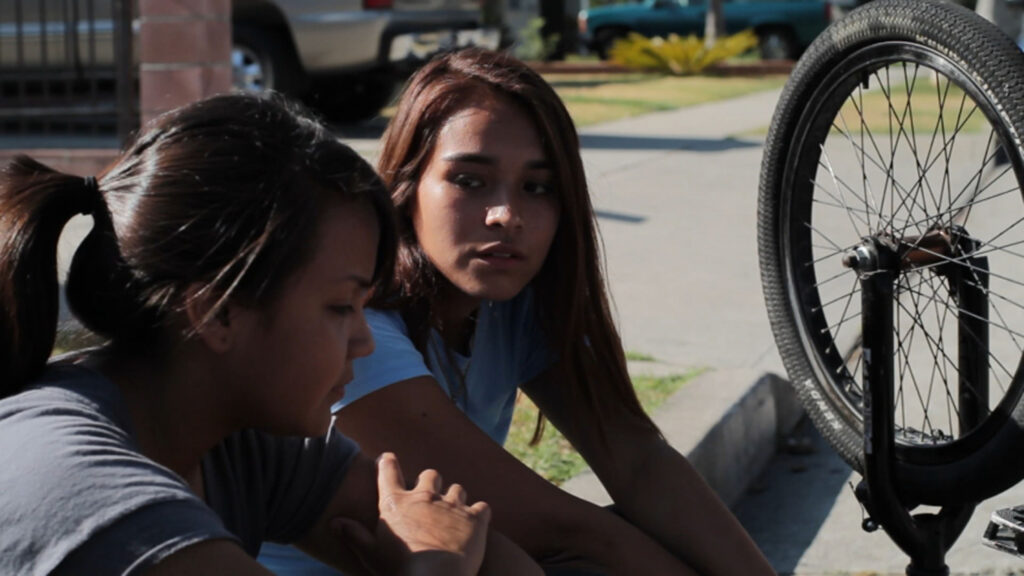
(234,244)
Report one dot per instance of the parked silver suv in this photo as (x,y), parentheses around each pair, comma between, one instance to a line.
(345,56)
(342,56)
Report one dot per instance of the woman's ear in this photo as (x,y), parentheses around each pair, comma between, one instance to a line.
(208,318)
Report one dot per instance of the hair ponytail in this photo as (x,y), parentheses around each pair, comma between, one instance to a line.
(36,203)
(224,195)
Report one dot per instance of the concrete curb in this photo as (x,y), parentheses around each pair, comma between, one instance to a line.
(727,422)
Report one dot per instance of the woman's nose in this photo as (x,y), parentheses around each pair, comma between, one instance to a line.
(361,340)
(503,214)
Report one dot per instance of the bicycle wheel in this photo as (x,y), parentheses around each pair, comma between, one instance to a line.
(902,125)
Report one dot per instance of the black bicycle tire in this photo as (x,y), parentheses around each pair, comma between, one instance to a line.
(998,66)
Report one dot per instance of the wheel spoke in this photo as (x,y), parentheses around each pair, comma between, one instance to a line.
(1003,327)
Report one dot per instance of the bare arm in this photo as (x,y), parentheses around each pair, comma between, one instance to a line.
(420,531)
(356,501)
(420,424)
(655,487)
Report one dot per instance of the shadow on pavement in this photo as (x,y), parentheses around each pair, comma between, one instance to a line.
(789,503)
(619,142)
(590,82)
(620,217)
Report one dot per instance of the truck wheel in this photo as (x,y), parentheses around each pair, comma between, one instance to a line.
(354,98)
(604,38)
(776,44)
(261,60)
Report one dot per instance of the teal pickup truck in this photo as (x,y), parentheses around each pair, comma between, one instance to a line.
(784,27)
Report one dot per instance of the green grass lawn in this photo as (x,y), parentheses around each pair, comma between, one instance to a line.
(603,97)
(596,98)
(554,458)
(634,356)
(924,111)
(927,110)
(73,339)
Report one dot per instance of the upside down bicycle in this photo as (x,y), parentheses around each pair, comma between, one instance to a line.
(891,239)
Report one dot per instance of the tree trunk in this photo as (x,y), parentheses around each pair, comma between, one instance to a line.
(553,13)
(492,13)
(714,23)
(1004,15)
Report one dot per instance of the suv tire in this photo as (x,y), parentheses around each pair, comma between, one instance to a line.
(776,44)
(604,39)
(262,59)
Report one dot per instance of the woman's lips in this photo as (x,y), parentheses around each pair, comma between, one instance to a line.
(337,392)
(500,259)
(500,255)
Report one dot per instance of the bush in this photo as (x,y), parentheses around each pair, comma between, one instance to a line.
(677,55)
(532,44)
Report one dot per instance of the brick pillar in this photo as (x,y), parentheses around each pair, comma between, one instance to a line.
(184,52)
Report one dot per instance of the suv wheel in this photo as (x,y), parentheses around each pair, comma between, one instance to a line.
(262,60)
(604,39)
(248,72)
(776,44)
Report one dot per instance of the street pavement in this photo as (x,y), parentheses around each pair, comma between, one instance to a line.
(676,198)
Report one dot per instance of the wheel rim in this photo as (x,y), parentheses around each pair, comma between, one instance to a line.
(248,72)
(912,151)
(774,46)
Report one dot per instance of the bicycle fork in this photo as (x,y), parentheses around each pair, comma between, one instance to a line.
(925,537)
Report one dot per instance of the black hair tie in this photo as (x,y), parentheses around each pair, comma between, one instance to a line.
(92,188)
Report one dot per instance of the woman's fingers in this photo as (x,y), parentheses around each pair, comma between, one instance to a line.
(456,494)
(389,478)
(482,512)
(425,519)
(429,480)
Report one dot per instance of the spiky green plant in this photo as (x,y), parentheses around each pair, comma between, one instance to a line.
(678,55)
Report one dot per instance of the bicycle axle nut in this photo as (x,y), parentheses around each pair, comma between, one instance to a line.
(861,258)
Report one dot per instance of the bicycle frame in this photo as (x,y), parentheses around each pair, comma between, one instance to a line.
(925,537)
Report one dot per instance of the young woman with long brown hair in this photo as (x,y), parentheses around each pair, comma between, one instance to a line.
(499,288)
(234,245)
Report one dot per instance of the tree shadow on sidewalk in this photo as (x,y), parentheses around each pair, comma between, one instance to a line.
(621,142)
(788,505)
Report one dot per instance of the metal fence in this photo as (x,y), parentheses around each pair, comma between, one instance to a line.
(67,69)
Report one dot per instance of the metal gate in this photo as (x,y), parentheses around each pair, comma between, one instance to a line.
(67,72)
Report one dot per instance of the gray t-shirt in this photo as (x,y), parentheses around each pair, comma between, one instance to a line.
(77,496)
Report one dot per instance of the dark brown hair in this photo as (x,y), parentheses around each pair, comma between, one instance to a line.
(223,193)
(572,303)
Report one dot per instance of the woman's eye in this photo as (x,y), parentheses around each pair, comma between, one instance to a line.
(342,310)
(538,188)
(467,181)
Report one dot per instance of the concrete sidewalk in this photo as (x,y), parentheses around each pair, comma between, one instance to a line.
(676,197)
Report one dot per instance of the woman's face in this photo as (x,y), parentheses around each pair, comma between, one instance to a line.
(295,356)
(485,211)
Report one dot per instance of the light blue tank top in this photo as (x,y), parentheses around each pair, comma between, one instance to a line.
(508,350)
